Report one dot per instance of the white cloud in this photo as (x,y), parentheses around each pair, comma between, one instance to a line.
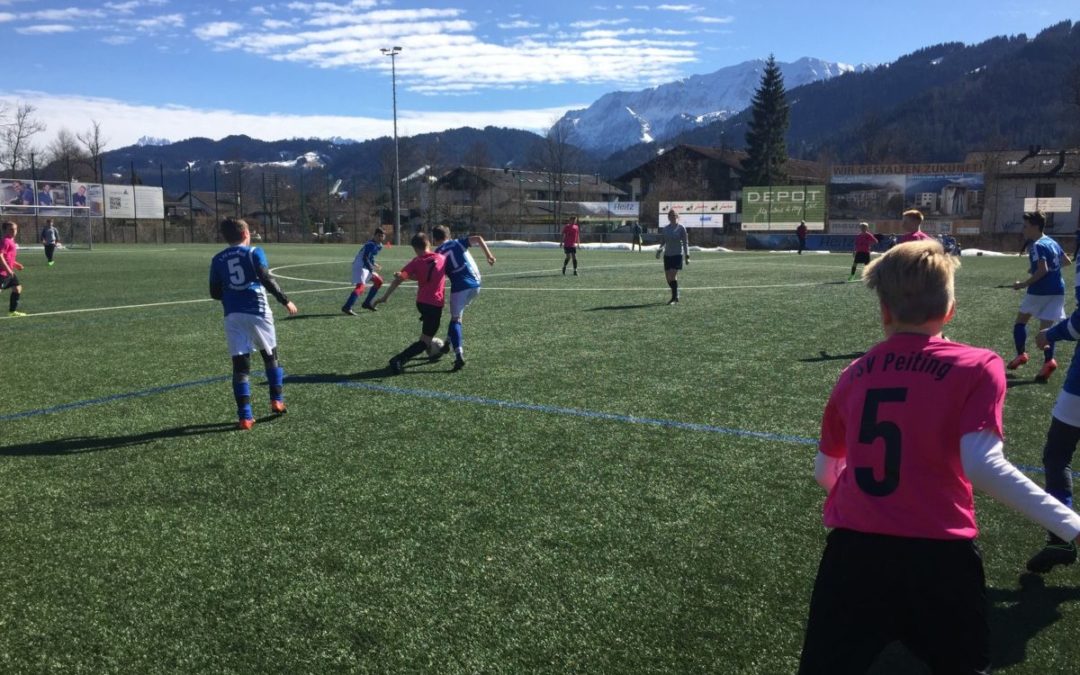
(217,30)
(69,14)
(117,40)
(520,23)
(599,22)
(157,23)
(123,7)
(7,16)
(276,24)
(124,123)
(45,29)
(714,19)
(680,8)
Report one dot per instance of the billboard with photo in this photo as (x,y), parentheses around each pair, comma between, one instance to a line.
(944,193)
(91,195)
(782,207)
(17,196)
(53,194)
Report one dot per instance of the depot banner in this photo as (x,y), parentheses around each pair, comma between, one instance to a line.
(783,207)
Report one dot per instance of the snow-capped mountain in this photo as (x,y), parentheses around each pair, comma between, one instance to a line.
(621,119)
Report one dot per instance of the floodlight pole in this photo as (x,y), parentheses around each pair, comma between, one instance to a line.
(392,53)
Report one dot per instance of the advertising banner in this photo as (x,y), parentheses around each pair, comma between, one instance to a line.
(127,201)
(16,194)
(701,208)
(53,194)
(609,209)
(881,198)
(782,207)
(91,195)
(1048,204)
(149,202)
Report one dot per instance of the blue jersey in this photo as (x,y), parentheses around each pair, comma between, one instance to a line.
(1045,248)
(460,266)
(235,271)
(366,256)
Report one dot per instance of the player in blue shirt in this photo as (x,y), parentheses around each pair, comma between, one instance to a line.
(1045,296)
(365,269)
(464,282)
(240,278)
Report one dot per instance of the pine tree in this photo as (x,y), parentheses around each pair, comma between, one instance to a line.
(765,146)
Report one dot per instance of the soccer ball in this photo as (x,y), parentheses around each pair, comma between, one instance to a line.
(435,348)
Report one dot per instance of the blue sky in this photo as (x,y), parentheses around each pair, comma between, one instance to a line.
(182,68)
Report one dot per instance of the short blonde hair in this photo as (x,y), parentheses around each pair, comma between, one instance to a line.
(914,280)
(914,213)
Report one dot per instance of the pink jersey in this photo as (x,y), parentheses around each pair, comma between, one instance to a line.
(429,270)
(917,235)
(9,250)
(897,415)
(571,235)
(864,241)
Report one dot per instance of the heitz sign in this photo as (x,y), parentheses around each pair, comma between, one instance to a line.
(782,207)
(610,209)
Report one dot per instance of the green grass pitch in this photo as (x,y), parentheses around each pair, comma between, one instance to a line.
(571,501)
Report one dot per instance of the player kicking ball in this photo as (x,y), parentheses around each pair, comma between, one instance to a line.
(428,268)
(240,278)
(909,428)
(365,269)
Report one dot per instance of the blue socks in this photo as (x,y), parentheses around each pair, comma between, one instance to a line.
(370,294)
(275,377)
(352,298)
(1020,337)
(242,392)
(454,335)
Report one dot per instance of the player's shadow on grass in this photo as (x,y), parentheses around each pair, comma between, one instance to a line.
(1016,616)
(80,444)
(301,317)
(609,308)
(318,378)
(1019,614)
(826,356)
(1014,381)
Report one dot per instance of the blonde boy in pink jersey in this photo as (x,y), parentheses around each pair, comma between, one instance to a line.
(864,241)
(909,428)
(912,221)
(429,270)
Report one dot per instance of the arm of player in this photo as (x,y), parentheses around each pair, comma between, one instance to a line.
(686,246)
(476,240)
(271,284)
(986,467)
(1069,329)
(398,278)
(1040,271)
(827,470)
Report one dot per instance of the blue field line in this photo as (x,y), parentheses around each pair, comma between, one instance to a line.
(114,397)
(611,417)
(462,398)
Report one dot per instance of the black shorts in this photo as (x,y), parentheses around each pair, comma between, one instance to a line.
(570,250)
(872,589)
(637,239)
(430,318)
(672,262)
(862,257)
(10,281)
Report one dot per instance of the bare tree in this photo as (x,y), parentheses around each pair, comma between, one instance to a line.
(17,136)
(95,142)
(560,160)
(67,153)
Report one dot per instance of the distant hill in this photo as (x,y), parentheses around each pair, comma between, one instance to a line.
(933,105)
(621,119)
(367,163)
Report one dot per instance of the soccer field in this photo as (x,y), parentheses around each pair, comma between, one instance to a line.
(611,485)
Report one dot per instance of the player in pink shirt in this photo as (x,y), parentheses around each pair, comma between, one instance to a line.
(571,238)
(912,224)
(9,250)
(909,428)
(864,241)
(429,270)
